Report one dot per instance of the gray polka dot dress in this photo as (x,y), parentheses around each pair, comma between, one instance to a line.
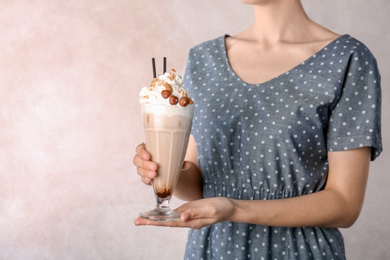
(270,141)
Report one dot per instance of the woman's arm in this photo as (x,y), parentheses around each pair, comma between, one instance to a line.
(189,186)
(338,205)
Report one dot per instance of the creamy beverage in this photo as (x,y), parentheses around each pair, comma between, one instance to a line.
(167,129)
(167,119)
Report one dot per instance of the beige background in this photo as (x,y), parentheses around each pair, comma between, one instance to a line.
(70,72)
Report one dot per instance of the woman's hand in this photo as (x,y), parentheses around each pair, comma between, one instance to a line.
(197,214)
(146,169)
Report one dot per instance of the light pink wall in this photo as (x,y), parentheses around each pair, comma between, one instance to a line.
(70,72)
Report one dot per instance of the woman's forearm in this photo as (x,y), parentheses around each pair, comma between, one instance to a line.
(326,208)
(189,186)
(338,205)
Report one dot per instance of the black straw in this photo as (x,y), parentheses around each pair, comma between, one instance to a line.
(165,65)
(154,68)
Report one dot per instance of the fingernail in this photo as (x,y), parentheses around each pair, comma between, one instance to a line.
(152,166)
(185,217)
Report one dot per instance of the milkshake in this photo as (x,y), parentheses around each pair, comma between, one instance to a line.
(167,119)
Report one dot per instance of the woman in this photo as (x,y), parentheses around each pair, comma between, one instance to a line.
(287,119)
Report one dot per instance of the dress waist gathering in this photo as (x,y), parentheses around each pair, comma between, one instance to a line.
(214,189)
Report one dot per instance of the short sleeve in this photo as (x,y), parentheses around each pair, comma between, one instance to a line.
(187,80)
(355,121)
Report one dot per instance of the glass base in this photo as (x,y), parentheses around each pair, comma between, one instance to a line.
(159,214)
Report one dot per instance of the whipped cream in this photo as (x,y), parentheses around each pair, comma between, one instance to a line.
(166,89)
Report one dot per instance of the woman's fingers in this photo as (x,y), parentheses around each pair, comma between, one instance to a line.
(146,168)
(190,223)
(195,214)
(199,213)
(146,222)
(146,181)
(140,150)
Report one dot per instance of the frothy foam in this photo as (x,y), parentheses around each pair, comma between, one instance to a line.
(163,109)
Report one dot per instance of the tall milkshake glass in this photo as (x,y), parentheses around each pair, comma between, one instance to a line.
(167,129)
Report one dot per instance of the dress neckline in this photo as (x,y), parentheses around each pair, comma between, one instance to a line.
(319,52)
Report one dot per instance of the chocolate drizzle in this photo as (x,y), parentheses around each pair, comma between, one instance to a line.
(165,193)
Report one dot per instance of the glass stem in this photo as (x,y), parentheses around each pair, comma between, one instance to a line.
(163,203)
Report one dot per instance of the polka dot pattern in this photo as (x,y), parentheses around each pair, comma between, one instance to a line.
(270,141)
